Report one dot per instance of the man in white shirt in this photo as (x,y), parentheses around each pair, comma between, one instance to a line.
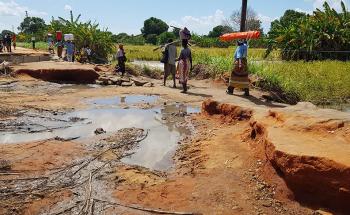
(170,65)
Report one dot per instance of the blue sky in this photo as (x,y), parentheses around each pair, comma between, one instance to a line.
(127,16)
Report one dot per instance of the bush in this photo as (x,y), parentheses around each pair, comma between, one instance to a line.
(151,39)
(88,33)
(164,37)
(323,35)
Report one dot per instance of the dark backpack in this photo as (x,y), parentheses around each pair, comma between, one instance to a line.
(165,56)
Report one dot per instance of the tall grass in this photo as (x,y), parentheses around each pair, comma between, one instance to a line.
(322,82)
(146,53)
(38,45)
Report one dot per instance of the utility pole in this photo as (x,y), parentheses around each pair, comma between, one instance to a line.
(244,15)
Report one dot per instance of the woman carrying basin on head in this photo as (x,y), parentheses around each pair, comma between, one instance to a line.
(239,76)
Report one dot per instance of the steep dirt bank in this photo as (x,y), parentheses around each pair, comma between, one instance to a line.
(59,72)
(310,154)
(216,172)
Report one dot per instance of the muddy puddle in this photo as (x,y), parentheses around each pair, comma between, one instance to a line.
(165,124)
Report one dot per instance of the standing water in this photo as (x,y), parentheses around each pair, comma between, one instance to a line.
(165,126)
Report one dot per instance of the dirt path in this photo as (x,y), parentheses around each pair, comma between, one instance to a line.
(224,167)
(24,51)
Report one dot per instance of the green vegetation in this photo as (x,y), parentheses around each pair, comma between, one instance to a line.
(38,45)
(32,26)
(323,35)
(86,34)
(318,82)
(199,54)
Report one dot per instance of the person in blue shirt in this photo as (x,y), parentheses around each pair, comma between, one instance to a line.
(239,76)
(70,49)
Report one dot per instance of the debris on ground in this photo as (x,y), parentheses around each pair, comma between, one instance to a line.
(99,131)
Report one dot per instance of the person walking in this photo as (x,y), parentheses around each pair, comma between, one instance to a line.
(59,46)
(8,43)
(1,44)
(88,53)
(184,65)
(121,59)
(239,76)
(170,62)
(33,42)
(14,41)
(70,49)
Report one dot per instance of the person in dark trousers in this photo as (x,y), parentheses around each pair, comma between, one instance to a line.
(170,62)
(121,59)
(14,41)
(185,65)
(33,42)
(1,44)
(8,43)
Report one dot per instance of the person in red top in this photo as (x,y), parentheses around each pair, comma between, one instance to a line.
(14,39)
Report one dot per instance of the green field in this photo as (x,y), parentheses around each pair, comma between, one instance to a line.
(319,82)
(38,45)
(146,53)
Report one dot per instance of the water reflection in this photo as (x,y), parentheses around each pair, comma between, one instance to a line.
(129,100)
(165,126)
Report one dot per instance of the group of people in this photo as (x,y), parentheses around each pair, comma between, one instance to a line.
(71,52)
(184,65)
(169,59)
(7,41)
(239,76)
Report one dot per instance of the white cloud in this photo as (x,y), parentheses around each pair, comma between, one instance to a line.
(332,3)
(303,11)
(266,19)
(68,7)
(12,8)
(200,25)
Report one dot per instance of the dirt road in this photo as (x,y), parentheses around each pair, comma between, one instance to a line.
(245,157)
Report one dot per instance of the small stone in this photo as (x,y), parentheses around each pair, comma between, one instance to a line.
(261,187)
(139,83)
(99,131)
(267,203)
(126,84)
(322,212)
(149,85)
(5,165)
